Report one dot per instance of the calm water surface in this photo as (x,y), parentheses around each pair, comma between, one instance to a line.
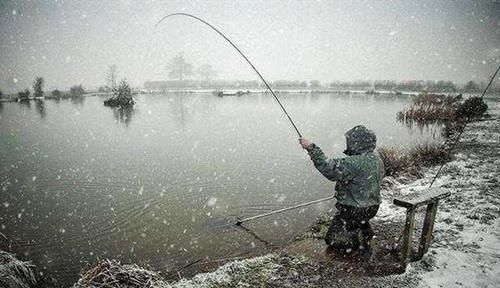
(158,184)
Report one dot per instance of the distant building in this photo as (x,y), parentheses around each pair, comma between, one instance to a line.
(200,84)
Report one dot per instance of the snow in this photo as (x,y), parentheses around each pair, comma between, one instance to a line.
(225,274)
(211,202)
(465,251)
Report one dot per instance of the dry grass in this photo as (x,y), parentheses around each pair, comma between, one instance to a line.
(110,273)
(409,161)
(430,108)
(17,274)
(472,108)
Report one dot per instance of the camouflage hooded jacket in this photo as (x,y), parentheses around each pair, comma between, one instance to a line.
(358,176)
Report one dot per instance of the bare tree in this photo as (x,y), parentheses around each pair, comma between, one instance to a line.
(206,72)
(471,86)
(111,76)
(38,87)
(178,68)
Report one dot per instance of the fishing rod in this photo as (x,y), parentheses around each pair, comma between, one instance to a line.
(241,221)
(463,128)
(243,55)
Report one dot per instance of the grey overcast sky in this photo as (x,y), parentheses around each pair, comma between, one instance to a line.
(70,42)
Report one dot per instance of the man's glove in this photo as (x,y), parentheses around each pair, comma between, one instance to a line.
(305,143)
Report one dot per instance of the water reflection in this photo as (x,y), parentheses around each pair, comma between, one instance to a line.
(40,108)
(177,110)
(427,126)
(123,115)
(77,100)
(25,103)
(136,198)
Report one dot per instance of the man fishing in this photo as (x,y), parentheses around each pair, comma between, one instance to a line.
(359,177)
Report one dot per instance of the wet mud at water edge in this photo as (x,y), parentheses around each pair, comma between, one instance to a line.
(160,185)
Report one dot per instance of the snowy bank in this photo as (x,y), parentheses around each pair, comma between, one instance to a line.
(465,251)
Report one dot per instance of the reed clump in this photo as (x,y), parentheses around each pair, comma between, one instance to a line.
(409,161)
(111,273)
(431,108)
(17,274)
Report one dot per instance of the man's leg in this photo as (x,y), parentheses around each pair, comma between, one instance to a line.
(337,228)
(343,232)
(366,229)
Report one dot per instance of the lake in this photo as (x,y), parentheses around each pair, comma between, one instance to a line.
(162,183)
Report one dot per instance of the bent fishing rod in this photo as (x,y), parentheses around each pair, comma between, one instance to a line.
(243,55)
(240,221)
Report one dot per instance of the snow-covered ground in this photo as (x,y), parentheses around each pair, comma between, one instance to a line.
(465,251)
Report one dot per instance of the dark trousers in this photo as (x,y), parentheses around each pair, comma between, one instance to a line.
(347,225)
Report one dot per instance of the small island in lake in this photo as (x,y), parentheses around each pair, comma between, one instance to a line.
(122,96)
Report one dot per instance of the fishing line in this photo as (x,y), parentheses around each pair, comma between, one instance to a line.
(463,128)
(243,55)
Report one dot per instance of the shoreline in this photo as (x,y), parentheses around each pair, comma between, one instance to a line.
(461,232)
(466,232)
(352,92)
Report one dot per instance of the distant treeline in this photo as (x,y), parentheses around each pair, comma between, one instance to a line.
(390,85)
(76,91)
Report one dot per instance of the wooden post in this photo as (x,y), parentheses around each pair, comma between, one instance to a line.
(426,237)
(408,236)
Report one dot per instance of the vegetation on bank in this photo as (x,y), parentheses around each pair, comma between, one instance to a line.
(76,92)
(111,273)
(23,96)
(410,161)
(430,108)
(472,108)
(17,274)
(272,270)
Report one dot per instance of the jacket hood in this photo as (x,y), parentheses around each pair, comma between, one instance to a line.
(360,140)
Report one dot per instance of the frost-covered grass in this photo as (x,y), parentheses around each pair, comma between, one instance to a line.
(272,270)
(111,273)
(430,107)
(410,160)
(15,273)
(464,251)
(256,272)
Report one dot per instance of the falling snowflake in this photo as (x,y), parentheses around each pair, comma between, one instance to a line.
(211,202)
